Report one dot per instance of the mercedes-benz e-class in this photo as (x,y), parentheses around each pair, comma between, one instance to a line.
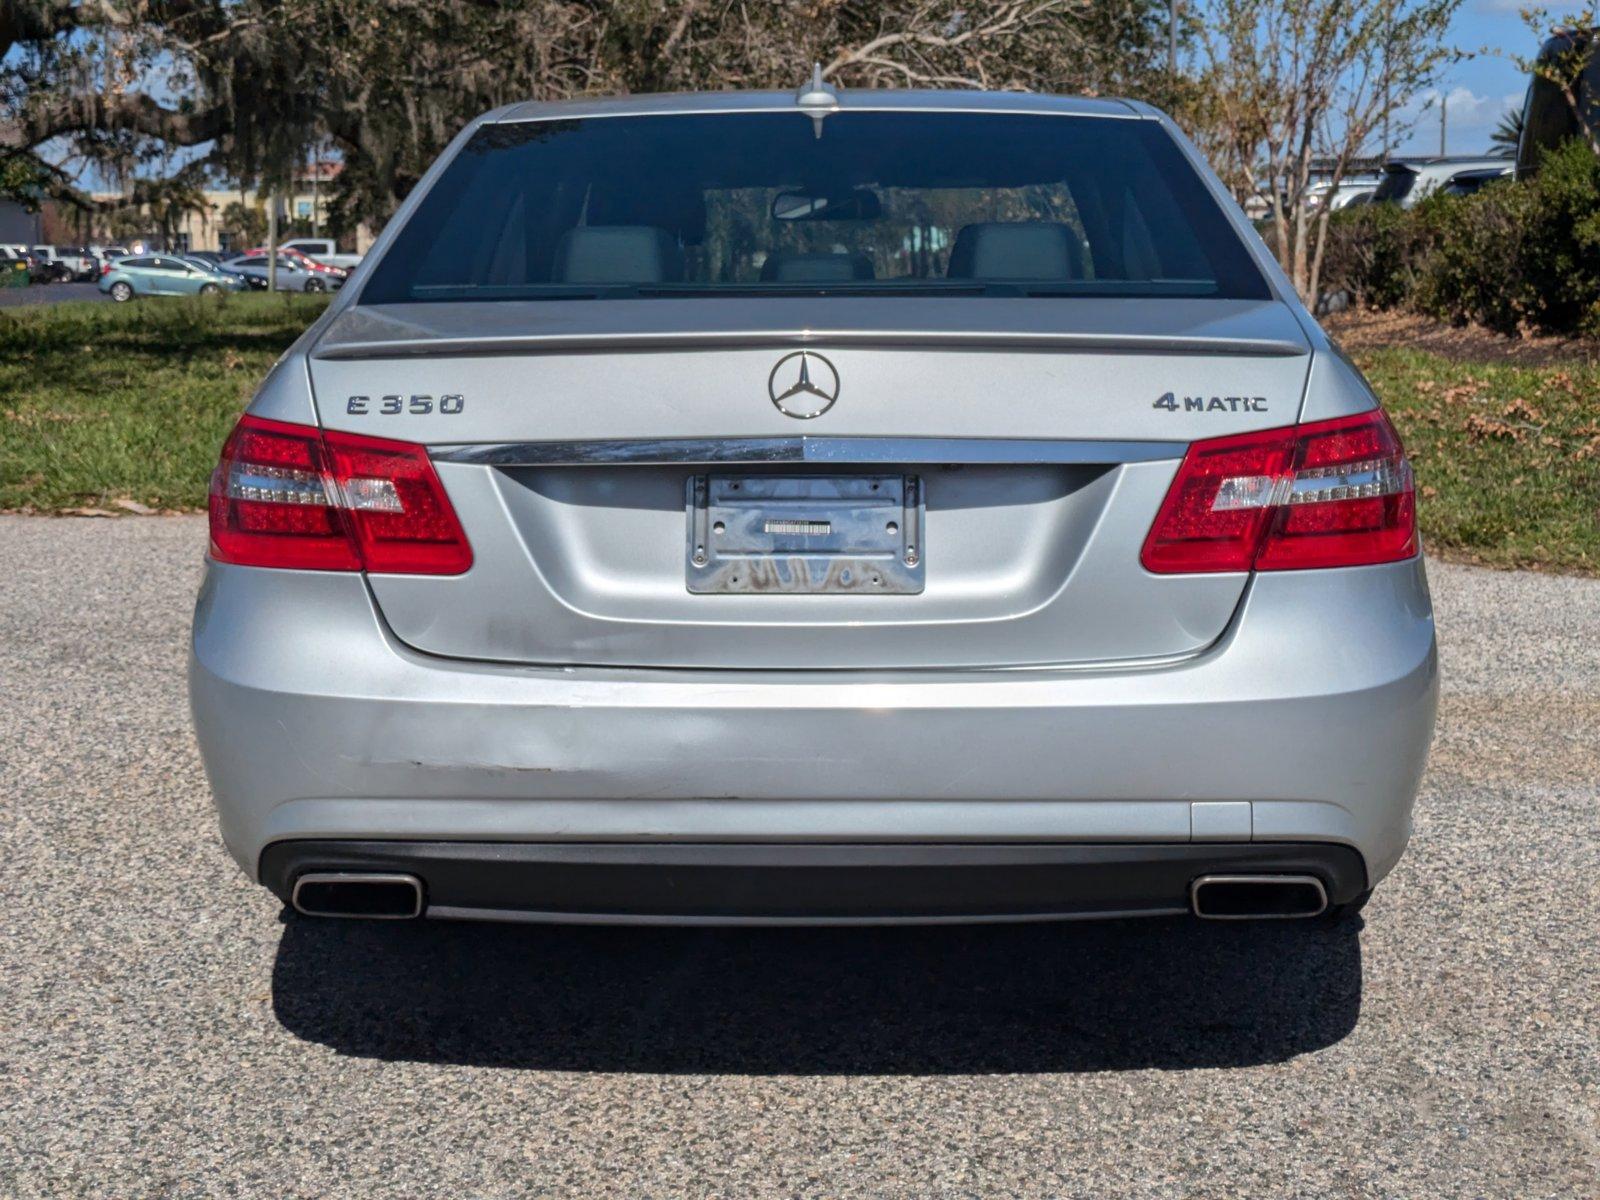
(818,507)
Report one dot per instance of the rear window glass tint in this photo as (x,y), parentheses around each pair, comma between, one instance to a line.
(904,203)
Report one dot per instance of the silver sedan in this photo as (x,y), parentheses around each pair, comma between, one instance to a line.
(816,507)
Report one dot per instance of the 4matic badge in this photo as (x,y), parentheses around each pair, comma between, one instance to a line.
(1171,403)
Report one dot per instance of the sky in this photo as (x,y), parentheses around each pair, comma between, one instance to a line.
(1480,89)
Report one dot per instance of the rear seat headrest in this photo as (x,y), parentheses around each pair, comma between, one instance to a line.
(617,254)
(1016,250)
(816,268)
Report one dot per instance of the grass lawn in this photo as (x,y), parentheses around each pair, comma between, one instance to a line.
(1507,455)
(101,402)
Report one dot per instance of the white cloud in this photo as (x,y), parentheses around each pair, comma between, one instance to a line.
(1472,111)
(1471,118)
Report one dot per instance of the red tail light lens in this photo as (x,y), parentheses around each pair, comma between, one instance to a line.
(403,521)
(1330,494)
(293,496)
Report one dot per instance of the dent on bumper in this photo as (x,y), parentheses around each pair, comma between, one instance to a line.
(1308,721)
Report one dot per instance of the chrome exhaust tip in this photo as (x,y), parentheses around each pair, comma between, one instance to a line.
(1257,897)
(358,894)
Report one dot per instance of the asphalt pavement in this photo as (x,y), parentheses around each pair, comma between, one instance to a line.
(49,293)
(166,1031)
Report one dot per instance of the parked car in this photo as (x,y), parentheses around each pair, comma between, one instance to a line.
(46,268)
(1468,182)
(1406,181)
(850,506)
(75,262)
(216,260)
(245,282)
(294,274)
(39,270)
(324,250)
(164,275)
(1354,190)
(306,261)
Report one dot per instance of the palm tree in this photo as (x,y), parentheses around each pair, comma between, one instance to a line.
(1508,134)
(170,200)
(246,224)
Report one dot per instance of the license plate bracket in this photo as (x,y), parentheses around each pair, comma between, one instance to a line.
(805,535)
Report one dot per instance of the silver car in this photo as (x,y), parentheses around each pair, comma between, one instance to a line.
(818,507)
(1409,181)
(293,274)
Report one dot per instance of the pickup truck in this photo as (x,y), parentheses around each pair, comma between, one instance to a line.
(72,262)
(324,250)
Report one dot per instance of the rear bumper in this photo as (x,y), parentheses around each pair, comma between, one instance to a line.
(1307,722)
(720,883)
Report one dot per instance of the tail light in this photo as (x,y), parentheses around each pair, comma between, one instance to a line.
(1329,494)
(295,496)
(105,268)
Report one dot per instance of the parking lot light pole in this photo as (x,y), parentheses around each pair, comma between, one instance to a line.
(272,240)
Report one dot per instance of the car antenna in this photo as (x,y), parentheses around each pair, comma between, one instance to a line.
(817,98)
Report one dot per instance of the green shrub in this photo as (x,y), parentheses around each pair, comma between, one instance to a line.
(1373,252)
(1519,256)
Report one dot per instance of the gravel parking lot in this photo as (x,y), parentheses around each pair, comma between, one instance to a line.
(168,1032)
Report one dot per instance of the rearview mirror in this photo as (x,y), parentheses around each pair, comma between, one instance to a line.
(858,204)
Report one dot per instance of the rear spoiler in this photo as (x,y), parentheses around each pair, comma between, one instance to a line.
(1062,340)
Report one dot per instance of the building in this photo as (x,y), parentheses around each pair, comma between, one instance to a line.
(18,226)
(302,212)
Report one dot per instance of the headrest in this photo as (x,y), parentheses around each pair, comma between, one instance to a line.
(1016,250)
(816,268)
(617,254)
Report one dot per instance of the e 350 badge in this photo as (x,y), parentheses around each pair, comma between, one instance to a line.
(1171,403)
(390,406)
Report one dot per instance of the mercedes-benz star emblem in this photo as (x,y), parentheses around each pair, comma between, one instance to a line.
(807,389)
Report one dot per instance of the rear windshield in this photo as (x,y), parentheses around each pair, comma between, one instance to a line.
(779,204)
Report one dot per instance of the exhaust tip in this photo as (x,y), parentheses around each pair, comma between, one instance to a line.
(357,894)
(1257,897)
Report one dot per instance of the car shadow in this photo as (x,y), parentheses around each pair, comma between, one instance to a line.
(915,1001)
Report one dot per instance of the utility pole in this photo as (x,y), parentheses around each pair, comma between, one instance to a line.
(1444,113)
(1172,41)
(272,240)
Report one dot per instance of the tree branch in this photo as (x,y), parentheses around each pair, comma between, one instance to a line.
(134,112)
(1009,19)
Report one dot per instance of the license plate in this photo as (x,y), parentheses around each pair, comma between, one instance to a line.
(805,534)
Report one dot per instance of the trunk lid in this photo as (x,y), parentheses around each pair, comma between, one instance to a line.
(1036,437)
